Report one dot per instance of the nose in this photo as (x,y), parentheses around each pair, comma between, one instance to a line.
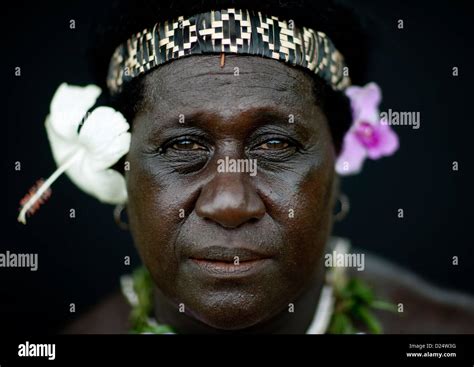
(230,200)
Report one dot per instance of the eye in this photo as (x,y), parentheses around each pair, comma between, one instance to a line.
(186,144)
(274,144)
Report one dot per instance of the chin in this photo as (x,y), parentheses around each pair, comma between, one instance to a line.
(232,310)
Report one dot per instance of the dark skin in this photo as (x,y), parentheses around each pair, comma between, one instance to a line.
(184,213)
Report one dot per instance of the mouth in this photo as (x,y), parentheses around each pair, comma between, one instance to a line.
(223,261)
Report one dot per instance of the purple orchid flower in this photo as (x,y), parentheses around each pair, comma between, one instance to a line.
(368,136)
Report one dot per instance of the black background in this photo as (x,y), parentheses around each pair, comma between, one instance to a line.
(81,259)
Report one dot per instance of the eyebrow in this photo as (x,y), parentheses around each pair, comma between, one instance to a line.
(264,115)
(255,117)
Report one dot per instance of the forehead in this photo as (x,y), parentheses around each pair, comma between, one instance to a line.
(199,83)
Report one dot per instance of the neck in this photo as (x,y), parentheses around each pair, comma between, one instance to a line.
(285,322)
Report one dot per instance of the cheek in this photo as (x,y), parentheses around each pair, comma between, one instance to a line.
(301,203)
(155,209)
(313,213)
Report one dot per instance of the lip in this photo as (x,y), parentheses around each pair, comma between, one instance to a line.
(224,261)
(227,254)
(221,268)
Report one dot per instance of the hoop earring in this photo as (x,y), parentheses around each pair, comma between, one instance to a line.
(345,207)
(118,210)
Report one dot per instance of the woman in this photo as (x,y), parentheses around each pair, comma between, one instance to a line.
(242,117)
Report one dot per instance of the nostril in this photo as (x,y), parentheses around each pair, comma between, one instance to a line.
(230,201)
(229,216)
(253,220)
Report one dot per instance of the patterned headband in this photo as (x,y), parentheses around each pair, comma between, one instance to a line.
(229,31)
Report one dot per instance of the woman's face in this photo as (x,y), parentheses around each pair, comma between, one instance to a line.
(235,248)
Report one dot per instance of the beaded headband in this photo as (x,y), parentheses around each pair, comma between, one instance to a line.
(227,31)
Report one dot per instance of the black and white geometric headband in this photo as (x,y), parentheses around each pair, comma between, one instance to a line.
(227,31)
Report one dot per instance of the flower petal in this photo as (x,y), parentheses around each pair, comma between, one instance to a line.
(69,105)
(105,138)
(352,157)
(108,157)
(388,143)
(61,148)
(365,102)
(107,186)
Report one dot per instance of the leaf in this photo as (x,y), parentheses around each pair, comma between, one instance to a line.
(383,305)
(368,319)
(361,291)
(341,324)
(160,329)
(346,305)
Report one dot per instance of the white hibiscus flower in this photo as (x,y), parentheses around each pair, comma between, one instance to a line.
(86,157)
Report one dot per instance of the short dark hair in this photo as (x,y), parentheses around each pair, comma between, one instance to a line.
(122,18)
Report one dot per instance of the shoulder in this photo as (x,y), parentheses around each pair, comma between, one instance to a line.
(110,316)
(426,308)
